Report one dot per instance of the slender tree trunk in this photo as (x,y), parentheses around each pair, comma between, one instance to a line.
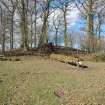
(12,32)
(3,32)
(56,26)
(35,39)
(65,29)
(99,26)
(3,41)
(56,37)
(98,32)
(46,33)
(31,32)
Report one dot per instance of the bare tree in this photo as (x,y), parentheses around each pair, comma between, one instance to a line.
(57,24)
(11,6)
(65,6)
(89,10)
(35,36)
(23,11)
(46,13)
(3,24)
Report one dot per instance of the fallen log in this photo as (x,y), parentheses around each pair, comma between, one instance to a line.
(77,64)
(83,66)
(14,59)
(74,64)
(3,58)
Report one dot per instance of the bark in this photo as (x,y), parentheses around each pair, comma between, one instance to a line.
(24,27)
(65,29)
(3,31)
(56,26)
(90,30)
(99,26)
(44,35)
(35,39)
(12,31)
(56,38)
(3,42)
(31,31)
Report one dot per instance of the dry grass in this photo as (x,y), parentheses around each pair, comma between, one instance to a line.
(34,80)
(61,57)
(98,57)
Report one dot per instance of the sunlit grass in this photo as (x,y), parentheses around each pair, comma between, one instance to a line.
(33,81)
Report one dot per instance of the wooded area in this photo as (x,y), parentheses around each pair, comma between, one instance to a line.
(29,24)
(52,52)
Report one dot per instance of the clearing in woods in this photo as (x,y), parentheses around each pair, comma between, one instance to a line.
(38,81)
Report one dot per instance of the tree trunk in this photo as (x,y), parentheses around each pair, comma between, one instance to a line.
(24,27)
(12,31)
(44,36)
(3,32)
(99,26)
(35,39)
(56,37)
(3,42)
(31,32)
(65,30)
(90,30)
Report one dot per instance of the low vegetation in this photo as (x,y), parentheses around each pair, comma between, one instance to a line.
(98,57)
(62,57)
(38,81)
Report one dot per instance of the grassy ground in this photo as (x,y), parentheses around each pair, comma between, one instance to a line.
(37,81)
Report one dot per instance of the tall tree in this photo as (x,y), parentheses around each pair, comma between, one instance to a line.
(57,23)
(35,24)
(89,9)
(4,24)
(11,6)
(90,25)
(23,10)
(64,6)
(44,31)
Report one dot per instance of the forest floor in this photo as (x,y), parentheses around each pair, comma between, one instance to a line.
(39,81)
